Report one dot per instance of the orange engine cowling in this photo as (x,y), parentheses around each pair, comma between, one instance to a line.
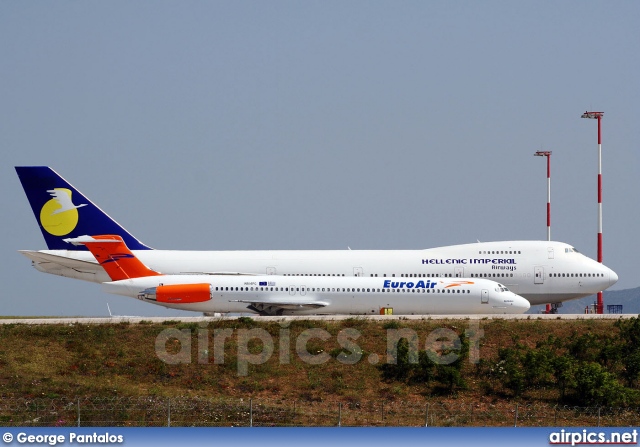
(178,293)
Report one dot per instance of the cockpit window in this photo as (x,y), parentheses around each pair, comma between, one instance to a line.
(571,250)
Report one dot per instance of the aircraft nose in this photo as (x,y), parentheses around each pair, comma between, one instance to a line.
(520,305)
(510,303)
(613,277)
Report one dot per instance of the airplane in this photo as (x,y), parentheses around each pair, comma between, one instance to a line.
(295,295)
(540,271)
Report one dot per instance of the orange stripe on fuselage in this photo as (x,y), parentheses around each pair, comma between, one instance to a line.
(459,283)
(116,258)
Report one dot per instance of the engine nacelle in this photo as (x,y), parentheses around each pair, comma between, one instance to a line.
(177,293)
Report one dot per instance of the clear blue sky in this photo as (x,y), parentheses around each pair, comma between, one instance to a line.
(318,125)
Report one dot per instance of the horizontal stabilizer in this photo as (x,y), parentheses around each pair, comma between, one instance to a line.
(63,261)
(66,266)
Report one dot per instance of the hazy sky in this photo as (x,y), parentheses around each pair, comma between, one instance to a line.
(318,125)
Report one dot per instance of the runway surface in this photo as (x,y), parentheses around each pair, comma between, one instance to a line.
(159,320)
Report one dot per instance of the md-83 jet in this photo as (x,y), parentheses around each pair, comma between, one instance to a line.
(540,271)
(296,295)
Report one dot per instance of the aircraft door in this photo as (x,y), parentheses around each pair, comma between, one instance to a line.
(292,290)
(271,270)
(538,275)
(459,272)
(303,290)
(550,252)
(358,271)
(484,296)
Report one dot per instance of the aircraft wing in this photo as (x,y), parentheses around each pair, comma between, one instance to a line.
(275,307)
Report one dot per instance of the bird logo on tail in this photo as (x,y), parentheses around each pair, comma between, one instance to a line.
(59,216)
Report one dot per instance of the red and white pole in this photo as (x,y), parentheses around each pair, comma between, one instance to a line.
(598,116)
(548,195)
(548,155)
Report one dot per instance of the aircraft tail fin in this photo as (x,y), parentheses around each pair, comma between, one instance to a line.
(114,256)
(63,211)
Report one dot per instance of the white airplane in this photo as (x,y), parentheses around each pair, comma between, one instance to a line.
(296,295)
(540,271)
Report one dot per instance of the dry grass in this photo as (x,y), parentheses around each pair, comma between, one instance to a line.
(120,360)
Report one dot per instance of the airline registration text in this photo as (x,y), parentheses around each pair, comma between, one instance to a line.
(260,283)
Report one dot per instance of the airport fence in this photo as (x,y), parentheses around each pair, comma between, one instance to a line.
(248,412)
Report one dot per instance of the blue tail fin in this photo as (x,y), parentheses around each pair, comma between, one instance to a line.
(63,212)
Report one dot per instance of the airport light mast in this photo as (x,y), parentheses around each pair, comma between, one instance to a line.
(548,155)
(598,116)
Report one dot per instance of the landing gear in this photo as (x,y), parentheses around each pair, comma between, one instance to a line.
(553,308)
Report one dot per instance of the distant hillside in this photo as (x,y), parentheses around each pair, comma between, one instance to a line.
(628,298)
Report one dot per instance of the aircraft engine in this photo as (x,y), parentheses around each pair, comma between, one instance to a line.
(177,293)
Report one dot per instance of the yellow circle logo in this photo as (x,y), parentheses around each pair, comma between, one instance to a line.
(59,216)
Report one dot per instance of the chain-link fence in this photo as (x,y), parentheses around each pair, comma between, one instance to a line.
(216,412)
